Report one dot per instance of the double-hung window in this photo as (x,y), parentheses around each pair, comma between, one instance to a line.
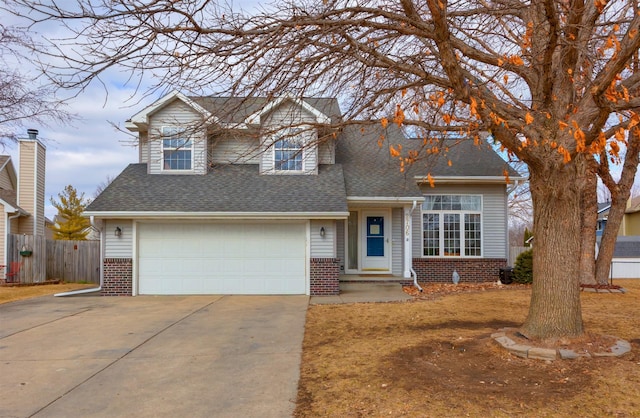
(177,149)
(288,150)
(452,226)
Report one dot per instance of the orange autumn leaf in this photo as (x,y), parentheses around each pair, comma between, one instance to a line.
(473,108)
(516,60)
(384,122)
(505,173)
(446,118)
(615,148)
(394,152)
(581,139)
(432,183)
(398,118)
(566,157)
(528,118)
(449,163)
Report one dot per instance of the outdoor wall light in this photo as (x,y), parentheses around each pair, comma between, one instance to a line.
(322,231)
(118,231)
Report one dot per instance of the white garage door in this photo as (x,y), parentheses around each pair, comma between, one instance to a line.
(216,258)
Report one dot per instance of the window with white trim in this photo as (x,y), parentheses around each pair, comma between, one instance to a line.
(288,151)
(452,226)
(177,150)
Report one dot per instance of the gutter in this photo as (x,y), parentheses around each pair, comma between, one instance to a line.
(413,272)
(93,289)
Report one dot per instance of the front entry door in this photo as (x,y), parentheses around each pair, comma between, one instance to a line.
(376,233)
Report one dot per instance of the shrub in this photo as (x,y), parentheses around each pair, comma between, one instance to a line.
(523,270)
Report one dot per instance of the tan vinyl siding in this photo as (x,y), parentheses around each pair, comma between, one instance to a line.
(323,247)
(118,247)
(235,150)
(289,114)
(39,196)
(630,224)
(177,113)
(494,217)
(26,189)
(5,180)
(397,250)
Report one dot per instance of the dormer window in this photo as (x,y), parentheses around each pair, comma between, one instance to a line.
(177,150)
(288,150)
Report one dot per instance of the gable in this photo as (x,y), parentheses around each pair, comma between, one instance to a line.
(8,177)
(139,121)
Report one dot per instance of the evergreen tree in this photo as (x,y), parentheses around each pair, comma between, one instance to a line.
(70,224)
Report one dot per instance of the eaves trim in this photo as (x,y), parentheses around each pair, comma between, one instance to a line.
(216,215)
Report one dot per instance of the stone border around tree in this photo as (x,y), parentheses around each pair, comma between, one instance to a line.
(620,348)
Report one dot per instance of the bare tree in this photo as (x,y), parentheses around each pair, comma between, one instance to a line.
(23,99)
(551,80)
(103,185)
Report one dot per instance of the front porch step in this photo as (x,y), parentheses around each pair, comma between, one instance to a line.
(371,278)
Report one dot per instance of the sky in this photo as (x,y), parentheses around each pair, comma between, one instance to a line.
(88,151)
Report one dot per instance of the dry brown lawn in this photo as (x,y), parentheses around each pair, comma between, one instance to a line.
(434,358)
(13,293)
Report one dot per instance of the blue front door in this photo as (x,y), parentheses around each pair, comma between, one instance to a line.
(375,237)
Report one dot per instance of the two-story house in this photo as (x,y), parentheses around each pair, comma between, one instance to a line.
(268,196)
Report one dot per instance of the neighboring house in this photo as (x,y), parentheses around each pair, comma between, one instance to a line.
(625,263)
(271,200)
(603,215)
(630,225)
(22,196)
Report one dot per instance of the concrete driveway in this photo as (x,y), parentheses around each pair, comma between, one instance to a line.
(195,356)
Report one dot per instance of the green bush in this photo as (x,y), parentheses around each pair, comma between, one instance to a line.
(523,270)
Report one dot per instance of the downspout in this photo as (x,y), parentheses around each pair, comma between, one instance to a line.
(413,272)
(93,289)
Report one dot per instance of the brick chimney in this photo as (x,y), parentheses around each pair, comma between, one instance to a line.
(31,177)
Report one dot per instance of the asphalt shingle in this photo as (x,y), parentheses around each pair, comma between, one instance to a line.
(227,188)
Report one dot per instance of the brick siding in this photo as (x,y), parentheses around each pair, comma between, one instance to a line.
(324,275)
(471,270)
(118,277)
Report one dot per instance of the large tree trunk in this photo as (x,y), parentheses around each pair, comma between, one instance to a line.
(555,309)
(588,230)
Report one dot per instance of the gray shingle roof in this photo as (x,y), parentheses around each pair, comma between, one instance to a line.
(227,188)
(627,247)
(370,170)
(362,169)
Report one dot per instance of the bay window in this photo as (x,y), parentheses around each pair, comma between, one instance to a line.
(452,226)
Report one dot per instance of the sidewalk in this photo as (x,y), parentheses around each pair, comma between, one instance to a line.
(364,292)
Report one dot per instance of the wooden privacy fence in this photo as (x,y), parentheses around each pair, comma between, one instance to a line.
(69,261)
(29,251)
(514,252)
(73,261)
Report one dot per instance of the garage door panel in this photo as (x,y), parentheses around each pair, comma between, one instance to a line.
(217,258)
